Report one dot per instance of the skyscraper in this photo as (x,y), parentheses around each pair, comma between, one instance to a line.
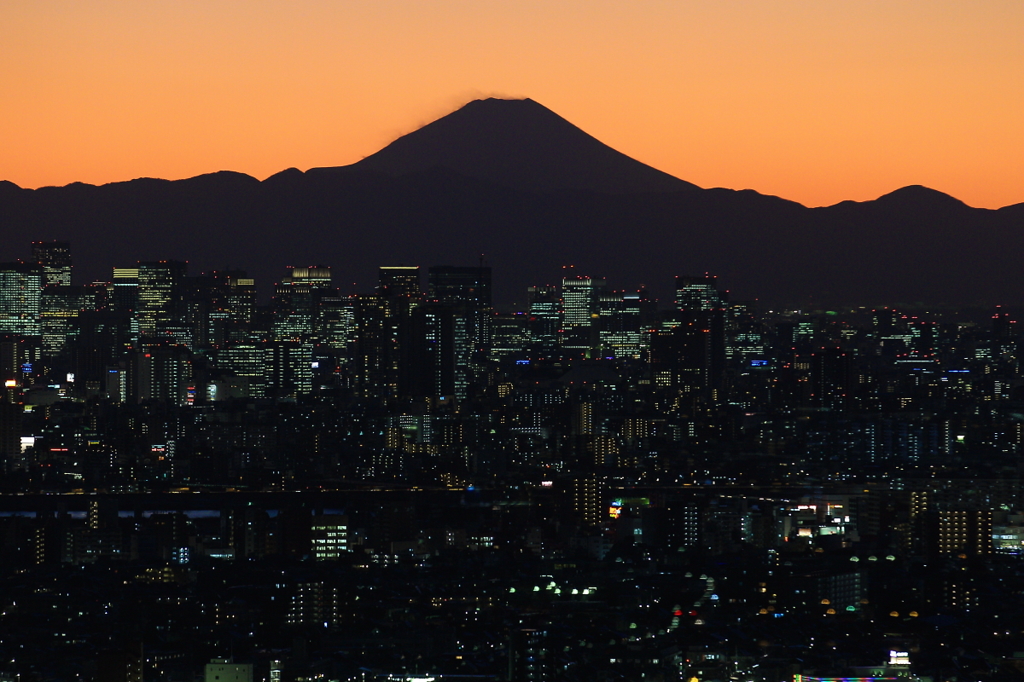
(399,291)
(59,306)
(545,318)
(397,281)
(467,290)
(432,366)
(21,286)
(221,307)
(297,302)
(372,346)
(161,310)
(621,318)
(580,297)
(124,294)
(55,258)
(698,292)
(453,285)
(699,335)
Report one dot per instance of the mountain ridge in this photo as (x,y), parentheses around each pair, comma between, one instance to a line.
(911,244)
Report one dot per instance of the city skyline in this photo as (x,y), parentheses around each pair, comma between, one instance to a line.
(565,341)
(815,104)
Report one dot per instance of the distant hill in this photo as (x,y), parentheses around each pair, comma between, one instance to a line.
(531,192)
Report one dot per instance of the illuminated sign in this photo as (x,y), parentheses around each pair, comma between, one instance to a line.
(899,658)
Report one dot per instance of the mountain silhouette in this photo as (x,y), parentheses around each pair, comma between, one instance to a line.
(521,144)
(513,181)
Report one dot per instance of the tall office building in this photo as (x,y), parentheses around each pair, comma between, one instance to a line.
(289,368)
(467,290)
(400,293)
(220,307)
(124,290)
(510,335)
(371,348)
(396,281)
(55,259)
(161,373)
(338,325)
(432,367)
(21,287)
(698,292)
(453,283)
(580,298)
(297,303)
(545,318)
(161,308)
(245,362)
(699,336)
(621,328)
(681,359)
(832,379)
(59,306)
(746,339)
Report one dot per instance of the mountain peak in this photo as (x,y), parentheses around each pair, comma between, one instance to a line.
(522,144)
(918,197)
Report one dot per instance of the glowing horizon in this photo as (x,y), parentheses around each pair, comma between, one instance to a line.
(814,103)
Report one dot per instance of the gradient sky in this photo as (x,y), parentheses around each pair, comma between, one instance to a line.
(816,101)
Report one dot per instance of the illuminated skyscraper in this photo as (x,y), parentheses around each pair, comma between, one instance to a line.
(289,368)
(399,291)
(509,335)
(337,327)
(371,348)
(124,294)
(397,281)
(246,364)
(580,298)
(467,290)
(161,373)
(297,303)
(621,318)
(545,318)
(698,292)
(59,306)
(161,310)
(696,349)
(21,287)
(219,307)
(55,258)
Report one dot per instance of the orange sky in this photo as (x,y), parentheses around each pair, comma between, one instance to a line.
(813,101)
